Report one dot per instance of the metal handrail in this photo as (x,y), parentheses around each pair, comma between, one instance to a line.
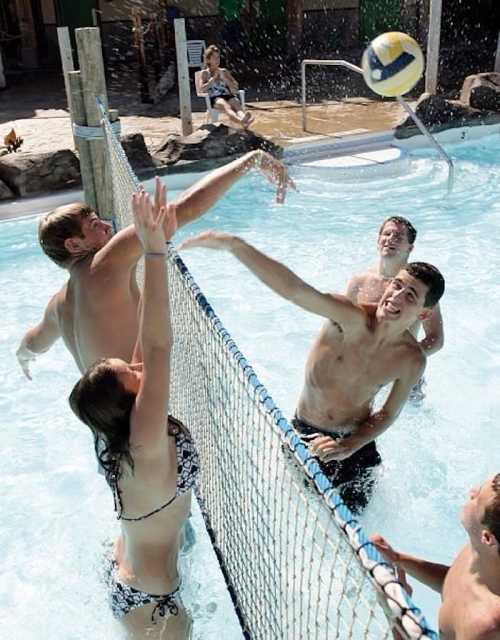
(403,103)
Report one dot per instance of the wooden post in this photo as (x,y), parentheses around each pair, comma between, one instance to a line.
(183,76)
(433,38)
(88,44)
(67,64)
(497,57)
(79,116)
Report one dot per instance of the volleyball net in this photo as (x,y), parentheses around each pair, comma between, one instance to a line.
(296,562)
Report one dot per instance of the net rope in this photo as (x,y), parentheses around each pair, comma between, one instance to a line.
(296,562)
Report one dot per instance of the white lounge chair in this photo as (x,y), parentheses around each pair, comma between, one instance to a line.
(213,114)
(195,50)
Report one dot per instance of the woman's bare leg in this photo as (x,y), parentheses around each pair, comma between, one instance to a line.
(246,116)
(224,107)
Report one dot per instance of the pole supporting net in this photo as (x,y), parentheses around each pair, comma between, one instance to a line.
(296,562)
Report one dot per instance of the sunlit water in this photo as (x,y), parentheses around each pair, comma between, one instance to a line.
(57,511)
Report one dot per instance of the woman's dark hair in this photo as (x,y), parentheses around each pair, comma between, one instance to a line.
(431,277)
(100,401)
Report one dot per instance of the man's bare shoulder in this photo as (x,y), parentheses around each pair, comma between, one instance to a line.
(360,279)
(413,358)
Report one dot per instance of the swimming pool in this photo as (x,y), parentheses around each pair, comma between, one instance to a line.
(57,511)
(325,232)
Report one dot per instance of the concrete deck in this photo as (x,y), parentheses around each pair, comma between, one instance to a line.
(38,113)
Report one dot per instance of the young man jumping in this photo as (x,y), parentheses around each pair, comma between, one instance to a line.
(95,312)
(359,350)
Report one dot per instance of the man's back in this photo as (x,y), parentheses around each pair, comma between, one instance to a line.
(97,311)
(470,611)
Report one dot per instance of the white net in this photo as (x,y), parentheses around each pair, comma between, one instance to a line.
(295,561)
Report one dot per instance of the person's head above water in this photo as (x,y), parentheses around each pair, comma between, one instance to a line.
(411,294)
(212,56)
(481,516)
(72,232)
(396,238)
(103,399)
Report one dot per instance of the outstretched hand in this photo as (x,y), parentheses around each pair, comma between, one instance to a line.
(148,222)
(25,357)
(208,240)
(385,549)
(276,172)
(160,197)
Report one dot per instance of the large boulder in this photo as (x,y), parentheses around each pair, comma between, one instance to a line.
(136,151)
(29,173)
(437,114)
(210,141)
(482,91)
(5,192)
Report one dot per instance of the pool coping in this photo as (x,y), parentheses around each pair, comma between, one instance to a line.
(294,154)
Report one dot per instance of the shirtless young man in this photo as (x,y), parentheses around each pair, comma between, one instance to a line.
(96,311)
(358,350)
(470,587)
(396,239)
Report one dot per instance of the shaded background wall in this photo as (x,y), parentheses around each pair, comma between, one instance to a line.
(257,36)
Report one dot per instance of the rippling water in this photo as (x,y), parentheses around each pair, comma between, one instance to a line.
(57,510)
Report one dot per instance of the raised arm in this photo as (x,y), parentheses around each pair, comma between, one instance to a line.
(196,200)
(434,332)
(40,338)
(149,414)
(124,249)
(431,574)
(280,279)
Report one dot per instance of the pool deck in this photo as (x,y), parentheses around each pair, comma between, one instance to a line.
(39,115)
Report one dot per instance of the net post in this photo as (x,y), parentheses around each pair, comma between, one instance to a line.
(88,42)
(183,76)
(431,73)
(78,116)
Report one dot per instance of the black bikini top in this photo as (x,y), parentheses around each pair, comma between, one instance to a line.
(188,468)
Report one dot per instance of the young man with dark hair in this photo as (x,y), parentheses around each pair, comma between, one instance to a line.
(395,242)
(470,587)
(96,311)
(359,350)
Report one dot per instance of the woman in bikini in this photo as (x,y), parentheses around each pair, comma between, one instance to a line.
(149,460)
(221,88)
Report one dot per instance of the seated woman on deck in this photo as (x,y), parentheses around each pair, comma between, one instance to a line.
(150,460)
(221,88)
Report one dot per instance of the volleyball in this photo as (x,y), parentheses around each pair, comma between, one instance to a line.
(392,64)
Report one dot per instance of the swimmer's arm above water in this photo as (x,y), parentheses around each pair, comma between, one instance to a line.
(431,574)
(434,333)
(281,279)
(147,418)
(125,249)
(40,338)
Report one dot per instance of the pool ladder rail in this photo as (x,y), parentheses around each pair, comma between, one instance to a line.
(423,129)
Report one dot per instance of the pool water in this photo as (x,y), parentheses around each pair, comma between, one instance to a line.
(58,510)
(58,518)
